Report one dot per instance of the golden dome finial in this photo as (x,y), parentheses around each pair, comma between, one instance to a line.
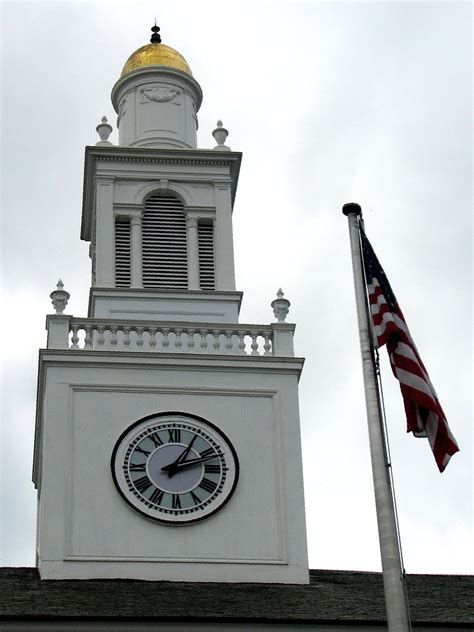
(156,54)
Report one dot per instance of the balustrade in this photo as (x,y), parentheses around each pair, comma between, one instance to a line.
(98,334)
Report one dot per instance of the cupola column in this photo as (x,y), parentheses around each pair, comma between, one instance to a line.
(193,254)
(136,274)
(105,266)
(224,248)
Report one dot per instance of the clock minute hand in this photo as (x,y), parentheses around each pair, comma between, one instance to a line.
(200,460)
(171,467)
(184,454)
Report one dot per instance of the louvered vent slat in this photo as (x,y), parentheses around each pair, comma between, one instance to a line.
(164,244)
(122,252)
(206,256)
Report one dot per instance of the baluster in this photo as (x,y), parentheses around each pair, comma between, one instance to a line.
(139,341)
(267,345)
(216,343)
(88,337)
(126,336)
(113,335)
(241,335)
(100,335)
(191,343)
(228,341)
(75,337)
(152,341)
(254,345)
(165,341)
(203,333)
(178,342)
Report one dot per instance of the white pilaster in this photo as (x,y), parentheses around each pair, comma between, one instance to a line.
(105,266)
(193,254)
(136,251)
(224,243)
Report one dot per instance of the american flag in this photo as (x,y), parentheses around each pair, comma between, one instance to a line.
(425,417)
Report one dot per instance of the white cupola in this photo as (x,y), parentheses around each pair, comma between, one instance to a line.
(157,98)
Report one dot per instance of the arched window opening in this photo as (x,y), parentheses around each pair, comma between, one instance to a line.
(164,244)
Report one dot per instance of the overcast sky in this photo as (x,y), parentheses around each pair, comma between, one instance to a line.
(329,103)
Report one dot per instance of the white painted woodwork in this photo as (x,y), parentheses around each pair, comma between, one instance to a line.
(88,398)
(185,305)
(168,336)
(163,334)
(205,184)
(105,266)
(157,108)
(224,245)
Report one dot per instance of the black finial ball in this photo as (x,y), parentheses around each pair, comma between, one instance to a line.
(351,207)
(156,37)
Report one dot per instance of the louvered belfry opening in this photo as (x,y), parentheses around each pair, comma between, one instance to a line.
(206,255)
(164,243)
(122,252)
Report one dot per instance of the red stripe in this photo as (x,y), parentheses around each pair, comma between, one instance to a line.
(411,366)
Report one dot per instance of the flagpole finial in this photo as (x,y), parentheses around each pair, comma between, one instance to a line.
(352,207)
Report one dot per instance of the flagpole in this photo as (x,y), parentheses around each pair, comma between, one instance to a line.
(398,617)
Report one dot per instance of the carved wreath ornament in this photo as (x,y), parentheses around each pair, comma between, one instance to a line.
(160,95)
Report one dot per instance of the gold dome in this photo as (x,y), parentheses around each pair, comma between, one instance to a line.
(156,55)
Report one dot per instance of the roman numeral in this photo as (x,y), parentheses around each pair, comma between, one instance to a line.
(142,483)
(212,469)
(195,498)
(208,485)
(155,437)
(174,435)
(176,502)
(139,449)
(156,497)
(207,453)
(137,467)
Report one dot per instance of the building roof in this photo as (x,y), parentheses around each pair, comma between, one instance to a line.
(331,597)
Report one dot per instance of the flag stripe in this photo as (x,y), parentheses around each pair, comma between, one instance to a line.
(425,417)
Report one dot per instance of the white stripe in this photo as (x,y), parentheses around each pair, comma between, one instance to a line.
(407,351)
(413,381)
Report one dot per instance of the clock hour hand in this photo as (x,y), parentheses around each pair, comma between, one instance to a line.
(196,461)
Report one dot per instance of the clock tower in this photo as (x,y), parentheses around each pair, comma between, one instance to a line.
(167,434)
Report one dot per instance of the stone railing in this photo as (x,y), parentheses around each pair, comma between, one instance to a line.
(67,332)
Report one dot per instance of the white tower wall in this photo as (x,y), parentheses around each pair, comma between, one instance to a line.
(157,107)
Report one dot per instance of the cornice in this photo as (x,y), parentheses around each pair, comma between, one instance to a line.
(146,155)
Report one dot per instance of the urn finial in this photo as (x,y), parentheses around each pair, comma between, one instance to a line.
(281,307)
(220,134)
(59,297)
(104,129)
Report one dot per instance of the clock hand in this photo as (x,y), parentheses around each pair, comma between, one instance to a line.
(171,467)
(195,461)
(184,454)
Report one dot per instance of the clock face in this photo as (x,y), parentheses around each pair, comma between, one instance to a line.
(174,467)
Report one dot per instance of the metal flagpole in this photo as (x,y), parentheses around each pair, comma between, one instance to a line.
(396,604)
